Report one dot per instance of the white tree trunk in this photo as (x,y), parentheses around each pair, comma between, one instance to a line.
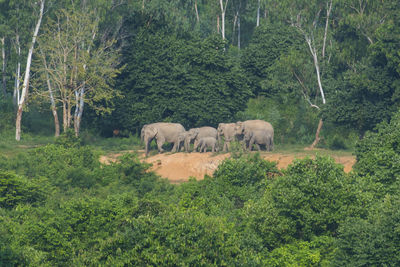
(258,13)
(21,100)
(328,13)
(3,55)
(17,73)
(197,11)
(238,32)
(52,100)
(80,102)
(314,54)
(223,11)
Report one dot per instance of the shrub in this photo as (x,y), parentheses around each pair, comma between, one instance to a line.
(371,241)
(378,157)
(16,189)
(311,199)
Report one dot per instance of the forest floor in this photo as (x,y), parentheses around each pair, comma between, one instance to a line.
(178,167)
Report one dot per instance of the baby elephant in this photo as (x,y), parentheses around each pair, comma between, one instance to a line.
(206,142)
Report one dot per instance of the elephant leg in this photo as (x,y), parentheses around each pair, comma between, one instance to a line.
(195,145)
(147,146)
(258,147)
(160,143)
(175,147)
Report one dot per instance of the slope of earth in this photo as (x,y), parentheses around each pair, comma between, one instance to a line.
(178,167)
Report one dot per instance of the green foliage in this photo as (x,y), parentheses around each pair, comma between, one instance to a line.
(292,122)
(268,44)
(311,199)
(372,241)
(7,115)
(378,157)
(75,166)
(245,171)
(194,82)
(318,252)
(337,142)
(16,190)
(69,139)
(364,98)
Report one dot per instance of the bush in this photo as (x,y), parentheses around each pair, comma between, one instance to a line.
(15,190)
(371,241)
(311,199)
(336,142)
(378,157)
(244,178)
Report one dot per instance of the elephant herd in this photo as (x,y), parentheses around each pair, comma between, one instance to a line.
(251,132)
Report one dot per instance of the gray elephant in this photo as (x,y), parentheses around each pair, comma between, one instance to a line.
(206,142)
(196,134)
(258,137)
(162,132)
(250,126)
(228,131)
(181,139)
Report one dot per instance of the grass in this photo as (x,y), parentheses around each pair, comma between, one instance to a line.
(9,146)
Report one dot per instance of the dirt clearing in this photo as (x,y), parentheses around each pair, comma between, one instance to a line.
(178,167)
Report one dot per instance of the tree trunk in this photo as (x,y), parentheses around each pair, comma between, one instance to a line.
(258,14)
(197,11)
(21,101)
(65,120)
(52,100)
(317,138)
(17,73)
(223,11)
(328,12)
(80,94)
(3,54)
(238,31)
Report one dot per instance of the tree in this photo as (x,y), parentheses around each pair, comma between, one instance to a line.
(21,100)
(168,78)
(77,68)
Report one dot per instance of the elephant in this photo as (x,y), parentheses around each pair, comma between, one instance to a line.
(228,131)
(206,142)
(162,132)
(258,137)
(181,138)
(250,126)
(197,133)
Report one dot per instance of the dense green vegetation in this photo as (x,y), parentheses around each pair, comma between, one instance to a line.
(291,63)
(60,206)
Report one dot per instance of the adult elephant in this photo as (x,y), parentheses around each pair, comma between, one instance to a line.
(258,137)
(227,130)
(196,134)
(162,132)
(251,126)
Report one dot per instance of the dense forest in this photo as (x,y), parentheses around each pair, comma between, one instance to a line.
(322,72)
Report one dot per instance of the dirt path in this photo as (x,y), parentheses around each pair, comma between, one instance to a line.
(178,167)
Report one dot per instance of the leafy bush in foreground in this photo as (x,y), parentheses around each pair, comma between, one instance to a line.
(311,199)
(15,189)
(371,241)
(378,157)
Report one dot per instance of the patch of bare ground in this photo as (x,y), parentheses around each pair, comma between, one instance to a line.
(178,167)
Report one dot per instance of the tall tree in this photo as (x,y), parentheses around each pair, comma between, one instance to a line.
(21,100)
(78,69)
